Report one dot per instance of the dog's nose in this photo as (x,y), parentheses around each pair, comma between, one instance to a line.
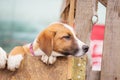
(85,48)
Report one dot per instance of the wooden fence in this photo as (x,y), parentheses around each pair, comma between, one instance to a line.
(111,54)
(78,12)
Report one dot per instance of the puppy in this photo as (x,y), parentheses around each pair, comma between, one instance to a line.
(3,58)
(57,39)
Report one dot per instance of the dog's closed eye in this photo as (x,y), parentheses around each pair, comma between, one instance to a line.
(67,37)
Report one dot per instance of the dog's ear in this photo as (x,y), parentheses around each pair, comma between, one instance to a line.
(46,41)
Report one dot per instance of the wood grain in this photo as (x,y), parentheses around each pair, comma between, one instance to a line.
(83,21)
(71,22)
(33,69)
(71,13)
(83,18)
(111,50)
(104,2)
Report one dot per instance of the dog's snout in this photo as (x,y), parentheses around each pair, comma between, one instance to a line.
(85,48)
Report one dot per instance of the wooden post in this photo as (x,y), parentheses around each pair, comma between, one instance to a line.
(83,21)
(104,2)
(83,18)
(71,22)
(71,13)
(111,51)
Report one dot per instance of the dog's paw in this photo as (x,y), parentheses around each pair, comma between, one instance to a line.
(3,58)
(52,60)
(14,62)
(48,60)
(45,58)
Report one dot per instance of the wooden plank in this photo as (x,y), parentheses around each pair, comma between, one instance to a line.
(83,21)
(70,67)
(104,2)
(71,13)
(33,69)
(94,75)
(71,22)
(111,50)
(64,13)
(83,18)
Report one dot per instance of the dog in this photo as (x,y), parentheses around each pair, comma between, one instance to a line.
(3,58)
(58,39)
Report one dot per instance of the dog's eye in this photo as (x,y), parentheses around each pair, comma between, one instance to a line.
(68,37)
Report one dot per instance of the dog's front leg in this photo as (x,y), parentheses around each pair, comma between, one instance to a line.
(45,58)
(3,58)
(48,59)
(14,62)
(15,57)
(52,59)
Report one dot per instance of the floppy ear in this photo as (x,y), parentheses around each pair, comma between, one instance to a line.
(46,41)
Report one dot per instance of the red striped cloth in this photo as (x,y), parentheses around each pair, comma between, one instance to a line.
(96,45)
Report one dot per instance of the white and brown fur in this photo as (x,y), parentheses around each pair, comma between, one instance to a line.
(57,39)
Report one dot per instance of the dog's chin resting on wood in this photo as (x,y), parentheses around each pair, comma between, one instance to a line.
(58,39)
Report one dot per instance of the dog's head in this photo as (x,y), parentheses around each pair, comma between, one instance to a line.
(61,38)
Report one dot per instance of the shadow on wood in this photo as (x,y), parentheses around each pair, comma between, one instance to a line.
(33,69)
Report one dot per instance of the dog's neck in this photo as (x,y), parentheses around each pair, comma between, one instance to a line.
(35,47)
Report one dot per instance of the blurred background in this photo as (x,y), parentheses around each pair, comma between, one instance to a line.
(22,20)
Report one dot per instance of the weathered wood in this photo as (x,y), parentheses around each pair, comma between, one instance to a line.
(83,18)
(83,21)
(68,11)
(64,13)
(70,67)
(94,75)
(111,51)
(71,22)
(71,13)
(33,69)
(104,2)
